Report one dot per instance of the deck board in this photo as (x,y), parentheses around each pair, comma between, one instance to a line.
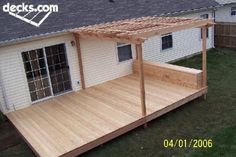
(78,121)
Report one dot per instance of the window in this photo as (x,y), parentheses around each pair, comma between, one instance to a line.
(233,11)
(205,16)
(167,41)
(124,52)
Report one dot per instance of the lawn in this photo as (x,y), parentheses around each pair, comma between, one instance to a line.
(214,118)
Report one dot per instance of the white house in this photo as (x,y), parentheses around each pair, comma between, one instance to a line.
(39,63)
(226,12)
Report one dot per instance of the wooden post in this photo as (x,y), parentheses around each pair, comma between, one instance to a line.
(80,60)
(136,49)
(141,77)
(204,58)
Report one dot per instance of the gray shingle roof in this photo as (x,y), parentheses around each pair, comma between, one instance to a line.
(223,2)
(77,13)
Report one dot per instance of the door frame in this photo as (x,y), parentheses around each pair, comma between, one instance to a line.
(49,78)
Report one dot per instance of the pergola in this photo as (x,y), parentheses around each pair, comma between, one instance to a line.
(136,31)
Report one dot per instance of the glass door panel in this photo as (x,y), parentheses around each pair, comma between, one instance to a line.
(36,74)
(58,68)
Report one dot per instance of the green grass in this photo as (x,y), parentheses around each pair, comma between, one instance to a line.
(213,119)
(2,118)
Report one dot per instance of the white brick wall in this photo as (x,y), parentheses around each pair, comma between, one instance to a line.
(101,63)
(223,14)
(185,43)
(12,68)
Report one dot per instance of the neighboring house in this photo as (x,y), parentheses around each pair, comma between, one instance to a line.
(49,54)
(226,12)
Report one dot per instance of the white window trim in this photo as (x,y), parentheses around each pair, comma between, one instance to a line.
(200,36)
(231,9)
(170,48)
(117,54)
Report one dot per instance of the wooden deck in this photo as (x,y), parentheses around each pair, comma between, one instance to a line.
(71,124)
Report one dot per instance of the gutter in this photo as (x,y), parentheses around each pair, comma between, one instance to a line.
(33,38)
(67,31)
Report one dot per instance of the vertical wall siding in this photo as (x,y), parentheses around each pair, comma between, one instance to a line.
(13,75)
(101,63)
(223,14)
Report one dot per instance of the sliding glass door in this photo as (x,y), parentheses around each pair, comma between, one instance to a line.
(47,71)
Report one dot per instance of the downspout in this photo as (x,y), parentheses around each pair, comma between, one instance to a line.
(6,106)
(213,28)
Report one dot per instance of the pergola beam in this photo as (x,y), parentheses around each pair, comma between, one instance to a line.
(126,39)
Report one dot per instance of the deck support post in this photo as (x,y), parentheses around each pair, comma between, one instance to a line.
(141,77)
(204,58)
(76,36)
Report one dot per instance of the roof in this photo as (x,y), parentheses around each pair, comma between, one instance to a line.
(138,29)
(77,13)
(224,2)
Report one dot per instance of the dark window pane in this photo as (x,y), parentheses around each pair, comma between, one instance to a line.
(43,73)
(50,60)
(53,79)
(62,58)
(40,53)
(33,96)
(37,74)
(124,53)
(66,76)
(46,82)
(67,85)
(33,55)
(25,56)
(61,48)
(59,77)
(29,76)
(31,86)
(60,87)
(56,59)
(54,50)
(167,42)
(57,67)
(47,92)
(40,94)
(48,51)
(55,89)
(38,84)
(35,64)
(42,63)
(27,67)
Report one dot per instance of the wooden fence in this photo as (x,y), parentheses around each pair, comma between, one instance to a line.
(225,35)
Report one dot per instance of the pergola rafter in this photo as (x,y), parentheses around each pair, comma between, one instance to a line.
(137,30)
